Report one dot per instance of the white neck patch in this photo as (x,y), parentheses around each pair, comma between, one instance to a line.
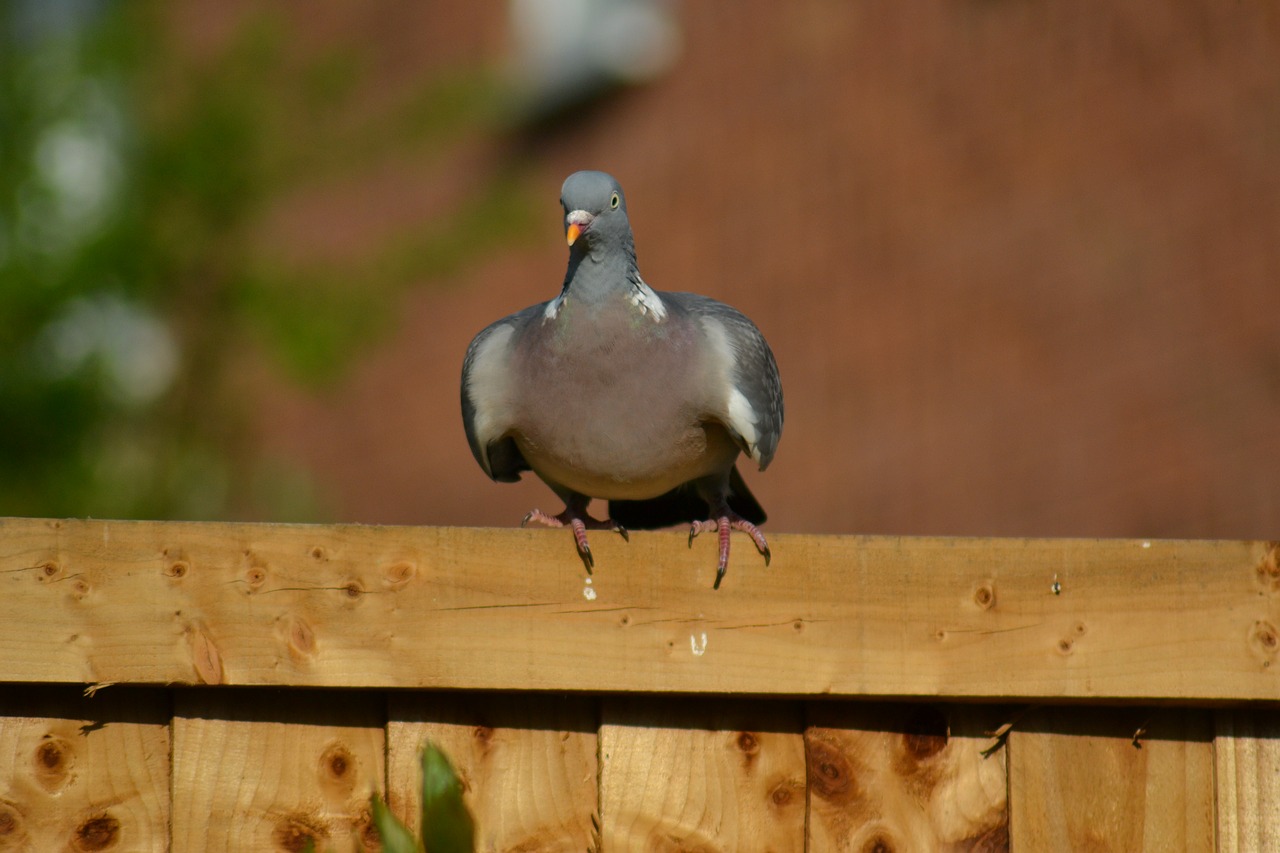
(644,298)
(553,308)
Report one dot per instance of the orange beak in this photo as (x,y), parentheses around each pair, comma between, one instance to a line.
(576,222)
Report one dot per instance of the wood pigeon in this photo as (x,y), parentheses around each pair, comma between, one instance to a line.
(614,390)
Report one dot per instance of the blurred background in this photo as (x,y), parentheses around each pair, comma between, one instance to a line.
(1019,262)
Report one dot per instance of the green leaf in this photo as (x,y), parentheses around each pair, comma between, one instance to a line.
(447,825)
(396,837)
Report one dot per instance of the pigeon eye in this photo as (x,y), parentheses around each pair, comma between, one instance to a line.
(613,202)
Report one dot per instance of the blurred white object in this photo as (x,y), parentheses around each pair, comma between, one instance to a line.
(568,51)
(135,350)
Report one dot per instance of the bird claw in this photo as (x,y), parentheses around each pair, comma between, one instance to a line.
(577,519)
(723,523)
(542,518)
(698,527)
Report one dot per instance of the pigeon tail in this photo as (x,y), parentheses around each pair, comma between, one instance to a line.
(683,505)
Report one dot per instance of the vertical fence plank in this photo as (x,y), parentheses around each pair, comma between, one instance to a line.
(904,777)
(268,769)
(690,774)
(82,773)
(528,764)
(1247,758)
(1133,779)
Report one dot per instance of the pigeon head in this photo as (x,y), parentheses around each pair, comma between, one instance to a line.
(595,211)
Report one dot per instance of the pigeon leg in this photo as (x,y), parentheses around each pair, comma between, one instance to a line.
(576,517)
(726,520)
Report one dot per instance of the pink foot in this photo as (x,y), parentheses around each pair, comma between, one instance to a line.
(729,520)
(580,523)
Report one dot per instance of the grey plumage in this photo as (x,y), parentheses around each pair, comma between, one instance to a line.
(615,391)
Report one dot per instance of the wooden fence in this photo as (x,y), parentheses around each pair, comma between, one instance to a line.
(191,687)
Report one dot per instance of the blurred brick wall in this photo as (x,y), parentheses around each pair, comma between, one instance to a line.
(1020,265)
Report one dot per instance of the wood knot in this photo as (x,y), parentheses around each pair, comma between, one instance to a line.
(205,656)
(829,772)
(178,569)
(1264,641)
(10,824)
(295,832)
(786,792)
(925,733)
(353,590)
(301,638)
(53,760)
(255,577)
(398,574)
(985,596)
(319,553)
(748,743)
(1065,646)
(994,839)
(483,734)
(49,753)
(49,569)
(338,762)
(878,843)
(363,827)
(338,769)
(99,832)
(1268,571)
(80,589)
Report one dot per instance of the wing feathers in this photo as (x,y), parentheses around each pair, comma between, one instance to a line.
(749,398)
(485,401)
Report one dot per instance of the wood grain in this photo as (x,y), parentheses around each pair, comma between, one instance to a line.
(142,602)
(528,764)
(257,771)
(1130,779)
(82,774)
(904,777)
(1247,758)
(696,775)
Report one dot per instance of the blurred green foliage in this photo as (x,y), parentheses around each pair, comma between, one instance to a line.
(447,825)
(134,289)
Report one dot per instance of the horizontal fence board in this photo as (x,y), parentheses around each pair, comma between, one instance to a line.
(354,606)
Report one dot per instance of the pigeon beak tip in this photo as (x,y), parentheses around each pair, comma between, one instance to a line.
(573,233)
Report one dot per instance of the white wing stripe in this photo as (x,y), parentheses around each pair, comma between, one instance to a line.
(742,420)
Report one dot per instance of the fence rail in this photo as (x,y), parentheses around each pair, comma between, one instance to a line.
(194,686)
